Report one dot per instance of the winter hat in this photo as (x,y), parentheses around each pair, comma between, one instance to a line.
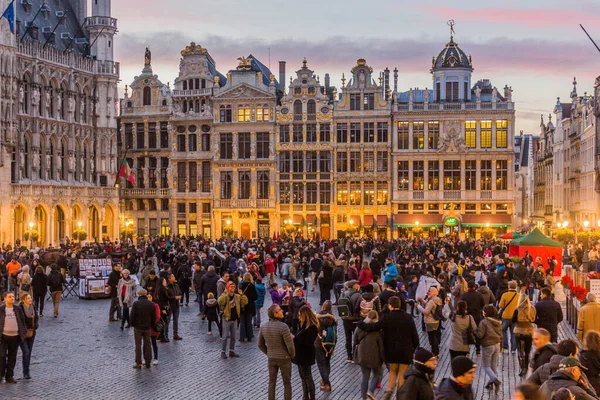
(422,355)
(461,365)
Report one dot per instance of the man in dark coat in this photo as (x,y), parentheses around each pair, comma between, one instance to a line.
(475,304)
(174,295)
(113,283)
(142,317)
(544,349)
(568,376)
(400,339)
(418,379)
(13,329)
(208,283)
(548,314)
(458,386)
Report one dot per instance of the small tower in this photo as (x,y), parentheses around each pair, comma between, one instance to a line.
(102,29)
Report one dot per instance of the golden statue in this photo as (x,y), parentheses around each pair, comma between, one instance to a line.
(245,61)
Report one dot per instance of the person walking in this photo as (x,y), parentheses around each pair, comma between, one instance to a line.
(31,319)
(248,311)
(590,358)
(39,284)
(428,308)
(261,292)
(55,282)
(589,316)
(566,348)
(548,313)
(325,280)
(525,316)
(24,281)
(489,332)
(568,376)
(325,343)
(231,304)
(458,385)
(161,297)
(208,283)
(142,318)
(462,322)
(351,298)
(174,295)
(475,303)
(112,285)
(369,354)
(126,290)
(13,329)
(154,332)
(400,340)
(304,343)
(276,342)
(418,378)
(315,269)
(544,348)
(507,306)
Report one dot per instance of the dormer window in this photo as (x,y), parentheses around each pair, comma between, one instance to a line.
(297,91)
(244,114)
(311,90)
(147,96)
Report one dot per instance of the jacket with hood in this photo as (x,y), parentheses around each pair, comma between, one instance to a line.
(390,272)
(488,296)
(221,283)
(211,309)
(489,331)
(130,294)
(591,361)
(418,384)
(276,297)
(562,379)
(326,319)
(208,283)
(450,390)
(542,374)
(260,293)
(368,348)
(428,310)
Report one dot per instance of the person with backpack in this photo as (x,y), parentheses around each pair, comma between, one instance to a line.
(369,302)
(296,304)
(431,309)
(400,340)
(349,309)
(369,354)
(325,343)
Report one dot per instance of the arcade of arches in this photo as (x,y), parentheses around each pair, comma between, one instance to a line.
(53,224)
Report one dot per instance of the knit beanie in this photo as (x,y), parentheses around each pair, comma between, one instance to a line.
(461,365)
(422,355)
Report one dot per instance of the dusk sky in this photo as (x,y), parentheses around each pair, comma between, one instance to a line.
(535,46)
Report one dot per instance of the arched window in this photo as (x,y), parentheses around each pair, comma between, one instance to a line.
(52,108)
(147,97)
(86,163)
(311,110)
(297,110)
(197,84)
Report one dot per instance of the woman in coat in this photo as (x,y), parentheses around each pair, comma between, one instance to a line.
(324,349)
(590,358)
(304,342)
(248,311)
(369,354)
(31,320)
(126,294)
(490,333)
(461,322)
(525,316)
(24,280)
(154,333)
(39,285)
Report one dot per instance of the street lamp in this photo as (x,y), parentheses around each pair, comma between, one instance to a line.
(487,224)
(559,224)
(525,221)
(31,234)
(586,224)
(228,222)
(565,224)
(79,224)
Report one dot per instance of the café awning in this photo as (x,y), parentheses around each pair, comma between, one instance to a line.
(297,219)
(424,220)
(481,220)
(369,220)
(382,220)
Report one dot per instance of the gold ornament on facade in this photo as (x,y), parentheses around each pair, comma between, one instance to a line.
(193,49)
(245,63)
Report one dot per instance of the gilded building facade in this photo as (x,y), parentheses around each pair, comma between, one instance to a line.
(452,153)
(58,150)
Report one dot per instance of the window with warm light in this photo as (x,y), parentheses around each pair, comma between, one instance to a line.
(486,134)
(355,193)
(342,193)
(433,175)
(501,134)
(382,193)
(262,113)
(369,193)
(433,134)
(501,174)
(418,135)
(486,175)
(403,175)
(244,114)
(403,133)
(471,134)
(452,174)
(418,175)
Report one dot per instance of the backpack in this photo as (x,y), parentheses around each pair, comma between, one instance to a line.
(328,338)
(344,306)
(366,306)
(438,314)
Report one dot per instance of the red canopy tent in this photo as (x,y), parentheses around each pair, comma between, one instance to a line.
(538,245)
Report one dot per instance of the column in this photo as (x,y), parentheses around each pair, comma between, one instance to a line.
(426,135)
(462,176)
(410,135)
(478,134)
(253,145)
(494,134)
(234,193)
(253,183)
(478,176)
(234,145)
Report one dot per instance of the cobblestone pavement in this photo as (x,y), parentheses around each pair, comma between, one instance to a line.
(80,355)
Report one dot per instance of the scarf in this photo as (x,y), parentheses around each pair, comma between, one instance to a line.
(29,311)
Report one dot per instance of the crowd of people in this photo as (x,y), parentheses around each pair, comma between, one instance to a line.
(374,293)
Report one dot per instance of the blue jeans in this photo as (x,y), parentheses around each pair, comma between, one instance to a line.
(246,326)
(507,324)
(256,318)
(490,357)
(365,386)
(26,347)
(229,331)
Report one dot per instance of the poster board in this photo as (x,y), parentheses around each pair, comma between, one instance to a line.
(93,273)
(595,287)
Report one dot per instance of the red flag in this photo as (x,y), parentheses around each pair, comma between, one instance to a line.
(126,172)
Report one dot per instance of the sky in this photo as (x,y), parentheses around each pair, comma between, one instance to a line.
(535,46)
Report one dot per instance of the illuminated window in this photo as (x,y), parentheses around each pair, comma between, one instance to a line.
(382,193)
(418,175)
(470,175)
(433,135)
(262,113)
(418,135)
(452,175)
(471,134)
(403,135)
(403,175)
(501,134)
(501,174)
(369,161)
(486,134)
(298,193)
(244,114)
(342,193)
(486,175)
(369,194)
(284,193)
(355,193)
(433,175)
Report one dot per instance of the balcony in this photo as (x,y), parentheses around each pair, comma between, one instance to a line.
(93,192)
(418,195)
(192,92)
(244,203)
(455,106)
(486,194)
(451,194)
(107,68)
(101,22)
(135,192)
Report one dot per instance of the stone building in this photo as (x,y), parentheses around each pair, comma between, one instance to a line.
(452,157)
(543,177)
(58,142)
(524,179)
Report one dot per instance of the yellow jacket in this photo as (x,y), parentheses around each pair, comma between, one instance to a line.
(509,309)
(589,318)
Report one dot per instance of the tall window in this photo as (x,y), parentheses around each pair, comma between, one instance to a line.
(342,193)
(342,161)
(128,136)
(433,134)
(226,185)
(297,110)
(403,175)
(243,145)
(193,181)
(284,162)
(382,132)
(433,175)
(369,101)
(26,159)
(382,193)
(226,146)
(206,176)
(243,113)
(181,143)
(311,193)
(262,112)
(452,175)
(355,193)
(501,174)
(297,162)
(369,193)
(298,193)
(284,133)
(418,135)
(369,132)
(471,175)
(342,133)
(486,175)
(324,133)
(418,175)
(284,193)
(452,91)
(325,161)
(369,161)
(181,176)
(324,193)
(311,133)
(205,142)
(471,134)
(403,135)
(311,110)
(501,134)
(244,184)
(192,142)
(263,185)
(297,133)
(164,135)
(354,132)
(486,134)
(355,101)
(382,161)
(355,165)
(147,96)
(225,113)
(152,135)
(311,161)
(262,145)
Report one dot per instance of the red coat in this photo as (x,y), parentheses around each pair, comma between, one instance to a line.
(157,312)
(365,277)
(269,266)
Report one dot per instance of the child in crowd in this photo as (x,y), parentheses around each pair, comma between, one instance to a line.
(212,313)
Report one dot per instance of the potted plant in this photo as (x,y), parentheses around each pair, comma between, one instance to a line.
(127,232)
(79,234)
(487,233)
(32,235)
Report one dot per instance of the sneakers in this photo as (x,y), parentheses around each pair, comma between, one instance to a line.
(370,396)
(233,355)
(350,361)
(155,362)
(223,355)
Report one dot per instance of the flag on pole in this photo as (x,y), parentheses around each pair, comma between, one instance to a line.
(126,172)
(9,14)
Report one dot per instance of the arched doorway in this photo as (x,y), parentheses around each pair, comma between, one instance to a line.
(108,223)
(94,224)
(20,223)
(41,225)
(245,230)
(59,224)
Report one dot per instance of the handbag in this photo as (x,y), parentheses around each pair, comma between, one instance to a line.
(30,333)
(501,310)
(469,334)
(25,287)
(159,325)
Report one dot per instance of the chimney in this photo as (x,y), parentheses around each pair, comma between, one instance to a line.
(326,82)
(386,80)
(282,76)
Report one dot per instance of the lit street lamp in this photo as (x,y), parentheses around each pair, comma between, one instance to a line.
(31,234)
(586,224)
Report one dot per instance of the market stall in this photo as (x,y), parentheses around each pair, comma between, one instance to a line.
(538,245)
(93,277)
